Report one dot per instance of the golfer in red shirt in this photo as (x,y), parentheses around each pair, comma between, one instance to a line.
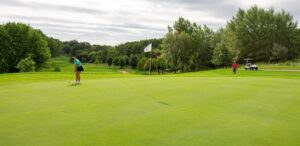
(234,66)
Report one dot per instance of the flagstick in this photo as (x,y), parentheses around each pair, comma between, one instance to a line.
(150,65)
(148,86)
(149,49)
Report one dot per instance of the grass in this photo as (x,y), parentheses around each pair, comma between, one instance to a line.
(65,66)
(288,66)
(279,67)
(203,108)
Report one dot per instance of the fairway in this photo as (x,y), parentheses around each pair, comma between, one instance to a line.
(203,108)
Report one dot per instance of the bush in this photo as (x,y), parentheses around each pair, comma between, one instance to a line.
(116,61)
(57,69)
(97,60)
(141,64)
(133,61)
(122,62)
(109,61)
(26,65)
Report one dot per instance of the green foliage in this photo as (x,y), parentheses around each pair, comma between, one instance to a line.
(26,65)
(221,56)
(264,35)
(122,61)
(57,69)
(203,44)
(183,25)
(92,56)
(112,53)
(188,46)
(146,66)
(102,55)
(4,41)
(254,33)
(161,64)
(109,61)
(279,52)
(178,48)
(141,64)
(55,46)
(66,48)
(133,62)
(19,41)
(97,60)
(137,47)
(83,55)
(116,61)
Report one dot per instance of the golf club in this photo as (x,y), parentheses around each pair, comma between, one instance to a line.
(71,78)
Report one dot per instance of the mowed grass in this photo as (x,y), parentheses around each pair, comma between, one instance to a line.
(203,108)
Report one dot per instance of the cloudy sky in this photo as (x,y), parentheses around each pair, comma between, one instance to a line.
(112,22)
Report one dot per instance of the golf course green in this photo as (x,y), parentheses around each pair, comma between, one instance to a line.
(113,108)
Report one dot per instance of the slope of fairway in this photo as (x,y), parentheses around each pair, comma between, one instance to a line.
(204,108)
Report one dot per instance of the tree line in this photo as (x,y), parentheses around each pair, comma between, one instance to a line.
(261,34)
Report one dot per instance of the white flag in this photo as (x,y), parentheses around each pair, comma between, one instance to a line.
(148,48)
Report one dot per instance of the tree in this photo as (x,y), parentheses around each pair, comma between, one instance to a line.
(4,51)
(279,52)
(116,61)
(97,59)
(221,56)
(141,64)
(66,49)
(83,56)
(92,56)
(55,46)
(160,64)
(133,62)
(203,44)
(112,53)
(255,31)
(177,47)
(19,41)
(122,61)
(109,61)
(126,60)
(136,47)
(146,66)
(183,25)
(102,54)
(194,45)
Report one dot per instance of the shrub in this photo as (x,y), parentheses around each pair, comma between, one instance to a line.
(116,61)
(141,64)
(109,61)
(97,61)
(133,61)
(122,62)
(26,65)
(57,69)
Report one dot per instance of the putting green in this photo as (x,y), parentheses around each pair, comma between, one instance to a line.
(204,108)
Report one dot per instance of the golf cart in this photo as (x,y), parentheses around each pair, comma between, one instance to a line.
(249,65)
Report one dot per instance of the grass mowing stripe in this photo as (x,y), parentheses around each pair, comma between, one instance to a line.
(203,108)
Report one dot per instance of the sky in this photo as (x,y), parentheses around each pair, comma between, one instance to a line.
(112,22)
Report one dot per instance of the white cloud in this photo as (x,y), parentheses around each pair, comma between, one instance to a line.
(115,21)
(261,3)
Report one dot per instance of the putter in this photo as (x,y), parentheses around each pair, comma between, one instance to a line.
(72,78)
